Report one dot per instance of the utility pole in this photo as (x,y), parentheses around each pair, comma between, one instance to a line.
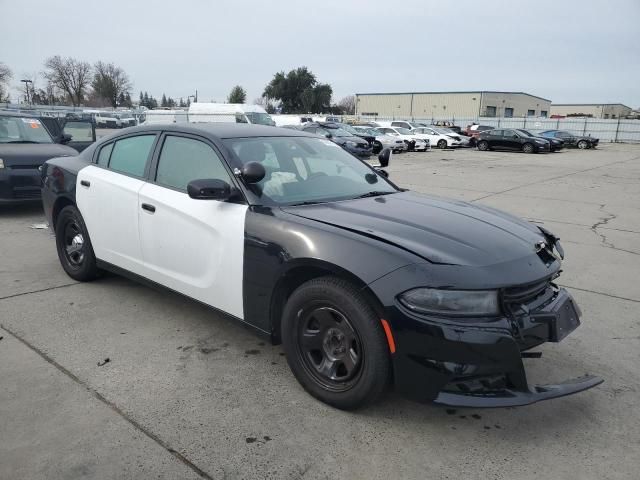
(26,86)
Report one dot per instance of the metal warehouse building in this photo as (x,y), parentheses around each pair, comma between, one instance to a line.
(595,110)
(452,104)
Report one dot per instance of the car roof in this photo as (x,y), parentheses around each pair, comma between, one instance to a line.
(220,130)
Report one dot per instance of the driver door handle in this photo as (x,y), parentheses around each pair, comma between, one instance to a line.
(148,207)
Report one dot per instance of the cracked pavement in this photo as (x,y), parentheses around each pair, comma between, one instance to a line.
(189,394)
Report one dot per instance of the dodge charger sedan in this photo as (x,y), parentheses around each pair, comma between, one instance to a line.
(367,285)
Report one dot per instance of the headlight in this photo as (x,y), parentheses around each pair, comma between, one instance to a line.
(541,142)
(1,163)
(460,303)
(351,144)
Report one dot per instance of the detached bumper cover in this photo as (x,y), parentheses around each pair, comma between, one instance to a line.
(515,398)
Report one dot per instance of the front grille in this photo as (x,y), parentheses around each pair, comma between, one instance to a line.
(526,293)
(528,298)
(24,167)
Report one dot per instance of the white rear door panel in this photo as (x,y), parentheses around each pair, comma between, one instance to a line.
(195,247)
(109,207)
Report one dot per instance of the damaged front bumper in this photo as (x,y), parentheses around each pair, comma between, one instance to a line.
(479,363)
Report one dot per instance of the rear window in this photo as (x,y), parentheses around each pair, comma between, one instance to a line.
(130,155)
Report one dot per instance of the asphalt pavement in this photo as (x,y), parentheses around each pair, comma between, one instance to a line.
(113,380)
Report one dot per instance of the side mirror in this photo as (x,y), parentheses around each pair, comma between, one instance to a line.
(253,172)
(209,189)
(385,157)
(65,138)
(328,135)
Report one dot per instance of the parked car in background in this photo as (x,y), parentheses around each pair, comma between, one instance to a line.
(358,133)
(474,130)
(555,144)
(438,138)
(25,144)
(106,120)
(383,140)
(571,140)
(414,142)
(405,124)
(351,143)
(449,125)
(126,120)
(511,139)
(463,139)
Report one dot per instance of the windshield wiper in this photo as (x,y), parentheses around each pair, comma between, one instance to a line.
(306,202)
(22,141)
(374,193)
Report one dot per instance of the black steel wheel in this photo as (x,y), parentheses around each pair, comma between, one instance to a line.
(335,344)
(74,246)
(329,347)
(527,148)
(483,145)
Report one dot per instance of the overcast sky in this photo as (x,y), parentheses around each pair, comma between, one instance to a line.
(569,51)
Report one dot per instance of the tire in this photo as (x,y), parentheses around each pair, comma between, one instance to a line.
(345,364)
(377,147)
(74,246)
(583,144)
(442,144)
(528,148)
(483,145)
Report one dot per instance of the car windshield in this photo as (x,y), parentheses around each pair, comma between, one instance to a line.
(403,131)
(351,130)
(307,170)
(23,130)
(259,118)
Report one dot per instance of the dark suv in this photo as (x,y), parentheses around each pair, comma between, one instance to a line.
(511,139)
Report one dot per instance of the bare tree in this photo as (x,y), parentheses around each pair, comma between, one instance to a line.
(110,82)
(70,75)
(5,77)
(348,105)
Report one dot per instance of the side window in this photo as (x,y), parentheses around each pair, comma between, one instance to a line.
(495,133)
(130,154)
(240,118)
(105,153)
(185,159)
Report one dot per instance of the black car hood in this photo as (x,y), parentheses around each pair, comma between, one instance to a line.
(436,229)
(33,153)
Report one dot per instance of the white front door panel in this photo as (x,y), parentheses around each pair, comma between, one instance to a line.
(109,207)
(195,247)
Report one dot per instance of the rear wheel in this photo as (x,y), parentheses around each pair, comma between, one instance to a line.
(527,148)
(335,344)
(483,145)
(442,144)
(582,144)
(74,246)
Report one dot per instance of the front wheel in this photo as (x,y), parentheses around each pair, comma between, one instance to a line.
(442,144)
(74,246)
(483,145)
(582,144)
(335,344)
(527,148)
